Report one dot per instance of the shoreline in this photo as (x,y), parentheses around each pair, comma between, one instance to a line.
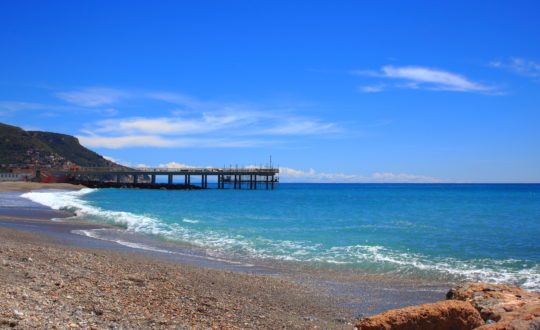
(345,298)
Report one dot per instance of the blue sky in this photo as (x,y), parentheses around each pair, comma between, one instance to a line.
(344,91)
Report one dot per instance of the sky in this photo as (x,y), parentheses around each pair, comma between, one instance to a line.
(333,91)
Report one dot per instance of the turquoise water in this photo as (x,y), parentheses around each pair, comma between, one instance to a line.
(432,231)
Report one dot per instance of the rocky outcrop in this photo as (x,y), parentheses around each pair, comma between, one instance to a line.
(443,315)
(501,306)
(479,306)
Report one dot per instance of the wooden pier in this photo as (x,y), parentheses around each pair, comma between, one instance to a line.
(232,178)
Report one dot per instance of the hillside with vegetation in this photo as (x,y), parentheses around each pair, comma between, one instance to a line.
(35,149)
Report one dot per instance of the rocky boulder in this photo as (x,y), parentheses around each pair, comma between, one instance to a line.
(443,315)
(501,306)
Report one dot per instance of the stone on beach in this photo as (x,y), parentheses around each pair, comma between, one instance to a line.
(510,307)
(469,306)
(443,315)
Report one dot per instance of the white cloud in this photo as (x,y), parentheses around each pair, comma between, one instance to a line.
(519,65)
(176,98)
(94,97)
(206,122)
(293,175)
(372,89)
(223,128)
(299,126)
(175,165)
(427,78)
(117,142)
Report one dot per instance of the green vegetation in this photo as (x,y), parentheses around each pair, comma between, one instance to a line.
(20,148)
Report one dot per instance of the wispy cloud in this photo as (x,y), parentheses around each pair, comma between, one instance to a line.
(225,126)
(197,123)
(519,65)
(8,106)
(117,142)
(373,88)
(294,175)
(425,78)
(176,98)
(94,97)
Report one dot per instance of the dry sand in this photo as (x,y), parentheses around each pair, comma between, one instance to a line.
(28,186)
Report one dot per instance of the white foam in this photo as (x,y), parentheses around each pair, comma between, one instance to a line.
(190,220)
(219,243)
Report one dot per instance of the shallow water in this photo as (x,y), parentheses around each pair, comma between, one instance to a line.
(442,232)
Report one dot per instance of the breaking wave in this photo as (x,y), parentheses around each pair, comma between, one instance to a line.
(220,244)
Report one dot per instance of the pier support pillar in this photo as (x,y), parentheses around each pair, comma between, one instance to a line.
(153,179)
(135,179)
(235,181)
(266,182)
(204,179)
(118,177)
(255,182)
(170,179)
(272,182)
(240,181)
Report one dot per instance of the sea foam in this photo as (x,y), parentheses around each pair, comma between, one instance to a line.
(219,243)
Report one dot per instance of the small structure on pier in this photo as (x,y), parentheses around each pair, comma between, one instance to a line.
(235,178)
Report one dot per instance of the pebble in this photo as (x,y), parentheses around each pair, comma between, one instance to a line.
(71,289)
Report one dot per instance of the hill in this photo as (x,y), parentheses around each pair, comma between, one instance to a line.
(20,148)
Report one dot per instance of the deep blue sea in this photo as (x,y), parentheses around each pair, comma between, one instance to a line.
(449,232)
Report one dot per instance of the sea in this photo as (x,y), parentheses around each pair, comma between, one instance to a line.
(443,232)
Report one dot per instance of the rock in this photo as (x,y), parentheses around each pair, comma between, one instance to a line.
(442,315)
(18,314)
(501,306)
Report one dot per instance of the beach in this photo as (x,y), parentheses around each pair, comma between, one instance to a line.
(54,277)
(49,282)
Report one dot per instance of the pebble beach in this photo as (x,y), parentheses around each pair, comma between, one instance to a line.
(48,284)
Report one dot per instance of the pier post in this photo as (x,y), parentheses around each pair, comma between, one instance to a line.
(239,181)
(185,180)
(135,179)
(251,181)
(255,181)
(267,182)
(235,181)
(118,179)
(170,179)
(153,179)
(219,181)
(272,182)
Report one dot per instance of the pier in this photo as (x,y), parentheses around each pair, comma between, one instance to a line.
(225,178)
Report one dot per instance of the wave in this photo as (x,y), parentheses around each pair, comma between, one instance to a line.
(190,220)
(220,244)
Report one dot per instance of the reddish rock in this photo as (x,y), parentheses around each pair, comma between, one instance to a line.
(442,315)
(510,307)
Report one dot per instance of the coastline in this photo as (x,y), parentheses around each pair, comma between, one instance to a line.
(302,298)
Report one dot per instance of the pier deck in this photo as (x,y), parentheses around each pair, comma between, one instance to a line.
(235,178)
